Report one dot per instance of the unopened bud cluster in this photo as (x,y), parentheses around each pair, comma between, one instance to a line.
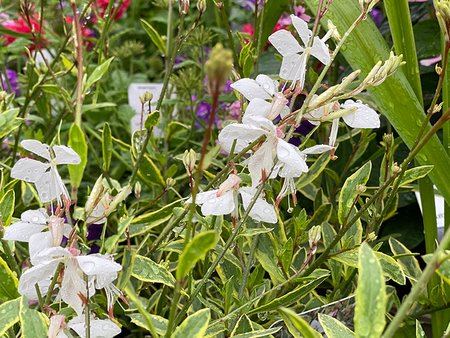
(218,67)
(442,8)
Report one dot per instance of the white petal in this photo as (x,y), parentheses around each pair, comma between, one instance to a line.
(51,254)
(250,89)
(333,132)
(285,43)
(222,205)
(261,161)
(293,67)
(22,231)
(317,149)
(320,50)
(50,186)
(243,134)
(38,243)
(98,328)
(37,148)
(97,264)
(35,216)
(261,211)
(363,117)
(36,274)
(302,29)
(67,230)
(202,197)
(66,155)
(269,85)
(72,286)
(257,107)
(28,170)
(293,160)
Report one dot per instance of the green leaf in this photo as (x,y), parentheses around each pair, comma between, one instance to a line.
(98,73)
(159,323)
(7,207)
(413,174)
(32,323)
(370,295)
(243,325)
(444,267)
(8,121)
(193,326)
(78,142)
(152,119)
(194,251)
(246,59)
(146,318)
(146,270)
(149,172)
(8,284)
(106,146)
(297,326)
(272,12)
(154,36)
(391,268)
(349,191)
(420,333)
(314,171)
(314,280)
(334,328)
(9,315)
(259,333)
(266,257)
(364,48)
(406,260)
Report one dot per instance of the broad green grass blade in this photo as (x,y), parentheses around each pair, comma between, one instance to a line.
(395,97)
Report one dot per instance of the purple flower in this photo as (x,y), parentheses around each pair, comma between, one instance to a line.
(377,16)
(12,79)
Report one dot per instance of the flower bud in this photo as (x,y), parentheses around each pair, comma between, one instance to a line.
(314,235)
(56,226)
(201,6)
(189,159)
(146,97)
(119,198)
(170,182)
(3,95)
(218,67)
(184,7)
(361,188)
(334,32)
(442,8)
(396,169)
(232,182)
(137,190)
(94,196)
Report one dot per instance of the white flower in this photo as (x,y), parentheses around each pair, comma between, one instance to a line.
(30,229)
(222,201)
(73,287)
(56,327)
(293,66)
(44,174)
(99,328)
(257,92)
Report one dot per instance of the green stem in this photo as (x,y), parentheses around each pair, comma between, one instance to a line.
(87,317)
(80,71)
(418,288)
(52,284)
(224,16)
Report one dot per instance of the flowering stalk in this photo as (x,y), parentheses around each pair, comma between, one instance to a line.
(80,71)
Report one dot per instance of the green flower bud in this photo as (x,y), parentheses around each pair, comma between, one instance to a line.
(218,67)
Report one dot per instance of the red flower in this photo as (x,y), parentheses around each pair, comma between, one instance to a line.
(20,26)
(103,5)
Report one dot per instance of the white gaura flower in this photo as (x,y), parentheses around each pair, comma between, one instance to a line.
(57,326)
(31,228)
(258,91)
(44,175)
(293,66)
(222,201)
(99,328)
(73,287)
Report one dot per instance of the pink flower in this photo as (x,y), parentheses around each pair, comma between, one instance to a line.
(300,11)
(20,26)
(430,61)
(103,5)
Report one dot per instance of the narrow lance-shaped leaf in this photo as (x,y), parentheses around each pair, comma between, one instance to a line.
(334,328)
(98,73)
(297,326)
(193,326)
(365,47)
(154,36)
(8,284)
(146,270)
(7,207)
(106,146)
(9,315)
(32,323)
(194,251)
(349,190)
(370,295)
(78,142)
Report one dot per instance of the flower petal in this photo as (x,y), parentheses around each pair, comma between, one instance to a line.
(293,160)
(35,216)
(98,328)
(257,107)
(73,286)
(363,117)
(285,43)
(66,155)
(317,149)
(269,85)
(244,134)
(38,243)
(261,211)
(222,205)
(37,148)
(40,272)
(261,161)
(29,170)
(22,231)
(250,89)
(302,29)
(97,264)
(293,67)
(320,50)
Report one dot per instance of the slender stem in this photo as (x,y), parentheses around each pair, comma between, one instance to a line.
(224,16)
(80,71)
(52,284)
(87,317)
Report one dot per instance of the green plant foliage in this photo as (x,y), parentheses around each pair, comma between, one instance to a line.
(146,270)
(8,286)
(9,315)
(7,207)
(297,326)
(77,141)
(194,326)
(33,323)
(154,36)
(334,328)
(106,146)
(98,73)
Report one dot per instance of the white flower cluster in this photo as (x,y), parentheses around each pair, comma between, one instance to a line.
(79,275)
(275,156)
